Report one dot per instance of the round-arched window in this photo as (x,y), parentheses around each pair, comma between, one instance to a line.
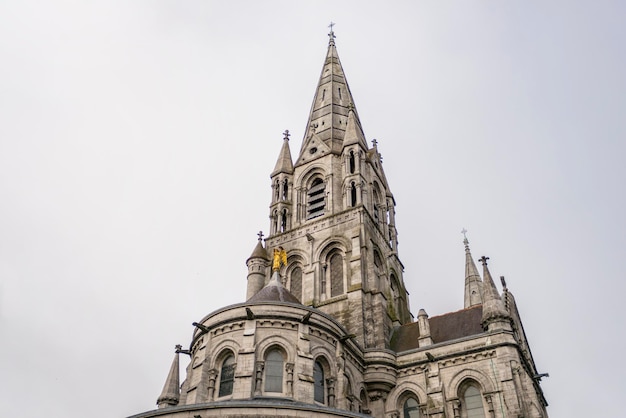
(227,376)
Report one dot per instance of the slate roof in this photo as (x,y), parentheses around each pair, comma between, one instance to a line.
(443,328)
(274,292)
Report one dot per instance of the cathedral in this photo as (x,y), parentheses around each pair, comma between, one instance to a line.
(326,329)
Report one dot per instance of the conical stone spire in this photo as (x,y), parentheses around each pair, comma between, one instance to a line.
(495,316)
(284,163)
(473,282)
(257,264)
(170,395)
(331,106)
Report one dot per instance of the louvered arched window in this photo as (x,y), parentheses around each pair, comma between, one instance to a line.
(316,199)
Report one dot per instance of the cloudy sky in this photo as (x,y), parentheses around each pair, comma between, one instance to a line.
(137,138)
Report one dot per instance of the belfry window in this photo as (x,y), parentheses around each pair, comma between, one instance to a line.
(316,202)
(318,379)
(473,402)
(227,376)
(411,408)
(274,371)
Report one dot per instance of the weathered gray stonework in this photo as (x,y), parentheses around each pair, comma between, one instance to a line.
(331,333)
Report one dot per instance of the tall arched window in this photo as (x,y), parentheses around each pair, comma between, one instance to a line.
(352,162)
(283,221)
(227,376)
(274,371)
(376,209)
(353,194)
(473,402)
(285,188)
(411,408)
(336,275)
(318,378)
(277,190)
(296,282)
(316,196)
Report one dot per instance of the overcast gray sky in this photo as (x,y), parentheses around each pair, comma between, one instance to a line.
(137,138)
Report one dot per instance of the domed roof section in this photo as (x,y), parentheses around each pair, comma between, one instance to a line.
(274,292)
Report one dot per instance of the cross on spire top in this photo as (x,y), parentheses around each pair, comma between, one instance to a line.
(260,234)
(286,134)
(483,260)
(331,35)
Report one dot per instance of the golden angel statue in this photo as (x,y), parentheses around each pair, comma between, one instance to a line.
(280,258)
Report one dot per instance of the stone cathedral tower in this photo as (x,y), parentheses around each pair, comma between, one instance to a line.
(330,332)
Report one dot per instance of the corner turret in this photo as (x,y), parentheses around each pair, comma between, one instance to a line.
(257,268)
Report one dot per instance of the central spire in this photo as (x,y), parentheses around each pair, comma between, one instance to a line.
(332,108)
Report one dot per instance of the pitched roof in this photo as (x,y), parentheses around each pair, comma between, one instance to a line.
(443,328)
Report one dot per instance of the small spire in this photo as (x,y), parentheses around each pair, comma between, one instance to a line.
(495,315)
(473,282)
(259,251)
(170,395)
(284,163)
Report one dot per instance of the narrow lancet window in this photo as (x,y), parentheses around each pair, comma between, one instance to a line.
(296,282)
(353,195)
(283,221)
(285,189)
(274,372)
(318,378)
(352,162)
(336,275)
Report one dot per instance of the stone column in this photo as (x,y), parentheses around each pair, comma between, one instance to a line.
(260,365)
(289,370)
(212,377)
(456,408)
(492,412)
(331,391)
